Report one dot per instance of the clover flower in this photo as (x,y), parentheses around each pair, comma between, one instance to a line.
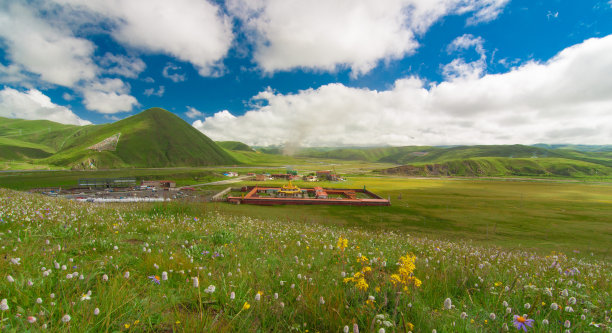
(211,289)
(448,304)
(66,318)
(4,305)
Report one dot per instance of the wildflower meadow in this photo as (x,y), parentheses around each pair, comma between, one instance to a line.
(81,267)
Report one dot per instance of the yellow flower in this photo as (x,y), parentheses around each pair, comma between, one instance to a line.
(486,321)
(410,326)
(246,306)
(497,284)
(126,325)
(342,243)
(472,321)
(136,322)
(377,289)
(177,322)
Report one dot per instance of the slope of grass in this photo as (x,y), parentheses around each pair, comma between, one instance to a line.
(501,167)
(152,138)
(175,267)
(234,145)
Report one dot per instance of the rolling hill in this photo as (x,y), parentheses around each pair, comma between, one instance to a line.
(150,139)
(470,161)
(153,138)
(234,145)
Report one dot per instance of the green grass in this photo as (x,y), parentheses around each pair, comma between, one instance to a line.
(555,215)
(152,138)
(75,258)
(234,145)
(32,179)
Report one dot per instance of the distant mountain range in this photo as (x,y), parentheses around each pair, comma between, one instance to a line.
(494,160)
(150,139)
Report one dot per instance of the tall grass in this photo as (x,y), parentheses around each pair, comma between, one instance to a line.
(76,258)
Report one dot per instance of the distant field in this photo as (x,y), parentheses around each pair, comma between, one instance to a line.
(553,215)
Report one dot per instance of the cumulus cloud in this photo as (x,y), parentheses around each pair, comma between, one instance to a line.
(170,71)
(47,50)
(108,96)
(563,100)
(326,35)
(121,65)
(459,68)
(193,112)
(152,92)
(33,104)
(194,31)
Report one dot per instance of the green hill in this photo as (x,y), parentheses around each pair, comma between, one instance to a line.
(501,167)
(152,138)
(234,145)
(26,140)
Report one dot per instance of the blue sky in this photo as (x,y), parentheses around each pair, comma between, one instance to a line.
(318,73)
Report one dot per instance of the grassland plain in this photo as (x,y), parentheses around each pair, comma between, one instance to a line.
(515,213)
(76,267)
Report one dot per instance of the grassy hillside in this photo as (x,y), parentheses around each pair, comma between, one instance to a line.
(234,145)
(26,140)
(500,167)
(152,138)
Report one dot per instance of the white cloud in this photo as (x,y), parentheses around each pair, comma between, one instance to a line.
(194,31)
(326,35)
(170,72)
(193,112)
(108,96)
(121,65)
(39,47)
(459,68)
(564,100)
(152,92)
(32,105)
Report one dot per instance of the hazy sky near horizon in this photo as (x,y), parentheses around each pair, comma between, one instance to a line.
(318,72)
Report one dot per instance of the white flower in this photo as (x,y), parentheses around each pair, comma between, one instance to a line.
(164,276)
(232,295)
(355,328)
(15,261)
(567,324)
(10,279)
(126,275)
(257,297)
(569,309)
(39,300)
(448,304)
(554,306)
(345,329)
(321,300)
(463,315)
(583,317)
(527,306)
(104,277)
(115,247)
(508,310)
(505,304)
(31,319)
(4,305)
(66,318)
(275,295)
(564,293)
(52,295)
(85,297)
(492,316)
(211,289)
(545,322)
(572,300)
(381,330)
(196,282)
(96,311)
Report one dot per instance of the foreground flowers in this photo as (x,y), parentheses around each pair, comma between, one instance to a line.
(521,322)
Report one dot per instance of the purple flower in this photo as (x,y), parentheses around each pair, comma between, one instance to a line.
(521,322)
(205,252)
(154,278)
